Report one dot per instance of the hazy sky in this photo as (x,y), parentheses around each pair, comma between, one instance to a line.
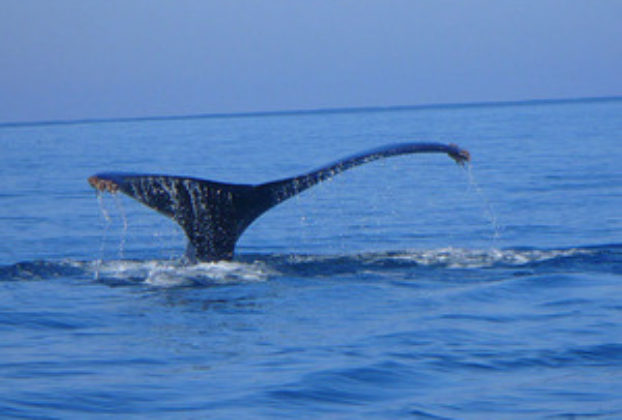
(74,59)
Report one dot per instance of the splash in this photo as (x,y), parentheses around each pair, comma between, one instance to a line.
(260,268)
(161,273)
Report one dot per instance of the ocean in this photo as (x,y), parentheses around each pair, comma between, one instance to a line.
(409,287)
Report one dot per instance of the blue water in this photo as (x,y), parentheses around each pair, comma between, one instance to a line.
(408,287)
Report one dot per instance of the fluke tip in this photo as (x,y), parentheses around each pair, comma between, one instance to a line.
(461,156)
(103,184)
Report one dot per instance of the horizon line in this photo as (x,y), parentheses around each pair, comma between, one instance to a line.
(312,111)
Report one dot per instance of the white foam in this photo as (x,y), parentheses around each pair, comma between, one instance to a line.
(173,273)
(478,258)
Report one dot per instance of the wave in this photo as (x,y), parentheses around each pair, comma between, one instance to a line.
(166,273)
(600,257)
(261,267)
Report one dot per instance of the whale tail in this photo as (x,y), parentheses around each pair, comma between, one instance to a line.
(214,215)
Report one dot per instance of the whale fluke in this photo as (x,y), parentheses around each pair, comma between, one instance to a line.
(214,214)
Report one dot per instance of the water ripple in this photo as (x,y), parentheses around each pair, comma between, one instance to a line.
(249,268)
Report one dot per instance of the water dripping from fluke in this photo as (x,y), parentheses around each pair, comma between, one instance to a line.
(489,212)
(214,214)
(107,222)
(121,209)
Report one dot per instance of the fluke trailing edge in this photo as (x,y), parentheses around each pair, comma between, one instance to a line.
(214,215)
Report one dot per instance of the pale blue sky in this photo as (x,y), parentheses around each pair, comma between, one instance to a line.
(76,59)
